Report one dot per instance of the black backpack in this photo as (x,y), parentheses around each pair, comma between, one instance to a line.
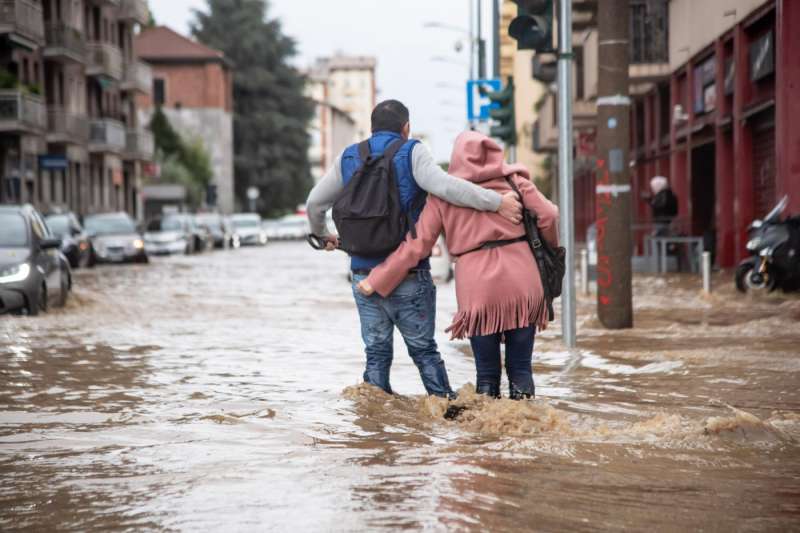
(368,214)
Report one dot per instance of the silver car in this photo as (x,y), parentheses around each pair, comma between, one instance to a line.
(249,228)
(115,238)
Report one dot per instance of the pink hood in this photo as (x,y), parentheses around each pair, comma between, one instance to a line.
(478,158)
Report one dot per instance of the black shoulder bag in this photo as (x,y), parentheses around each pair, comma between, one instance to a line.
(550,260)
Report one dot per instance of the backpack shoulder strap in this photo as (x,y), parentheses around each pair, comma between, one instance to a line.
(364,151)
(532,227)
(392,149)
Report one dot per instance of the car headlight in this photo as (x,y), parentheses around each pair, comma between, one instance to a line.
(753,243)
(14,273)
(138,244)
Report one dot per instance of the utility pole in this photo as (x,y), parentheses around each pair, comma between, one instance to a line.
(496,38)
(566,203)
(481,44)
(614,243)
(471,43)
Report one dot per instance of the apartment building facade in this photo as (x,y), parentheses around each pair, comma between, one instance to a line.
(331,128)
(69,131)
(714,91)
(349,86)
(193,86)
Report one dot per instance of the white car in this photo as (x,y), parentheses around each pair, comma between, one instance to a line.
(441,262)
(292,227)
(166,236)
(248,227)
(272,228)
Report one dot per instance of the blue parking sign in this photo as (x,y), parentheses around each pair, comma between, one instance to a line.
(478,105)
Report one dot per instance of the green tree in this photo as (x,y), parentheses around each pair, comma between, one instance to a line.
(187,163)
(271,113)
(167,139)
(197,161)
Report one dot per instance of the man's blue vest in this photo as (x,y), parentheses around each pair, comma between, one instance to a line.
(403,173)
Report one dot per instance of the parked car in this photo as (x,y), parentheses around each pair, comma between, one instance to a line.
(292,227)
(34,274)
(272,228)
(115,238)
(248,227)
(75,242)
(222,233)
(168,235)
(201,238)
(441,262)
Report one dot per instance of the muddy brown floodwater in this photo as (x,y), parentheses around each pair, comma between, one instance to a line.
(220,393)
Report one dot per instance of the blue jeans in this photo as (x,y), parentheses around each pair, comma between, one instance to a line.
(519,353)
(412,309)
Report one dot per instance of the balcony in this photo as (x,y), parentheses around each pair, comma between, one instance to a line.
(65,127)
(22,22)
(21,112)
(134,11)
(104,60)
(140,145)
(65,43)
(138,76)
(106,135)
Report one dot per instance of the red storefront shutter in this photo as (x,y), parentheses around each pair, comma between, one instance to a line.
(764,162)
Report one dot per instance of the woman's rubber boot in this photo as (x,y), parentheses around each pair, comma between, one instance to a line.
(516,394)
(489,389)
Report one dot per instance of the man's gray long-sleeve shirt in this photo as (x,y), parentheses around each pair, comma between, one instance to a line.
(428,175)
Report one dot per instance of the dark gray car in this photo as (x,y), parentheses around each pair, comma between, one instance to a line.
(33,272)
(115,238)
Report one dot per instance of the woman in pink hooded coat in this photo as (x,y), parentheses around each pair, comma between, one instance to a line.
(498,286)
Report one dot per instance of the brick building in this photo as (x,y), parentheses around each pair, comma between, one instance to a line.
(193,85)
(714,89)
(69,131)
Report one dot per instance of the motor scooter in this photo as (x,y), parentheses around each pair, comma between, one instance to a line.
(775,248)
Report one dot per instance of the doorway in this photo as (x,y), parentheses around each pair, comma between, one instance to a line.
(704,196)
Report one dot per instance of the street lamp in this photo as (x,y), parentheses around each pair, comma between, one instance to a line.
(442,59)
(463,31)
(443,26)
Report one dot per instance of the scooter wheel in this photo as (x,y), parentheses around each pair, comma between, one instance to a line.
(749,279)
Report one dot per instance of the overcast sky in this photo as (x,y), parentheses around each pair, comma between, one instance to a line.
(391,31)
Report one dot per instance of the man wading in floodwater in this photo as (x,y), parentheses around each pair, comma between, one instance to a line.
(378,189)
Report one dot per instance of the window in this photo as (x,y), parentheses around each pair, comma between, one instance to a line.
(159,91)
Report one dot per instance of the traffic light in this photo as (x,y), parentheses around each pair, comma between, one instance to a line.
(544,71)
(503,113)
(533,26)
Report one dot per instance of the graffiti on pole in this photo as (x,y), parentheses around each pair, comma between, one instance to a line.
(605,276)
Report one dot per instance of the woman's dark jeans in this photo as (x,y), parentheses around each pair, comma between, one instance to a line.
(519,353)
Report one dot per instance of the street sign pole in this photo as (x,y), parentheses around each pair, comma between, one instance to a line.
(566,205)
(252,195)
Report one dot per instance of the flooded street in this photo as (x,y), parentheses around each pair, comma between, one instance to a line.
(220,393)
